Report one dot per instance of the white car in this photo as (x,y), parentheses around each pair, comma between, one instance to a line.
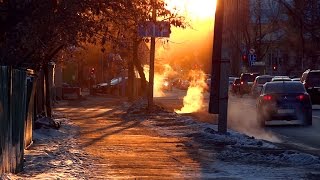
(258,84)
(281,78)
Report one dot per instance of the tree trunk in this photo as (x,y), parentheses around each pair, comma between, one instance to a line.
(48,90)
(131,77)
(138,65)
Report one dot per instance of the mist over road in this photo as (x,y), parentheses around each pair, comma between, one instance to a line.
(242,118)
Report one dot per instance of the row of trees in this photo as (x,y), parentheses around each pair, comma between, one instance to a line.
(304,28)
(34,32)
(291,27)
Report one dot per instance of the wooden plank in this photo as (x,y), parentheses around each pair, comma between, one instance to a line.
(18,117)
(4,120)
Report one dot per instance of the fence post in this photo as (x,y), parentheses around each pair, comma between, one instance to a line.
(4,118)
(30,107)
(18,115)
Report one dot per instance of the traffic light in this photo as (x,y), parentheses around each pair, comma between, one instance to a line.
(275,68)
(244,59)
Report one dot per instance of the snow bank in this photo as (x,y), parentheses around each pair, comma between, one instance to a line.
(232,146)
(54,155)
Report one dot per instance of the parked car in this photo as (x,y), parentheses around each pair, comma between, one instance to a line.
(184,84)
(281,78)
(311,81)
(108,87)
(231,79)
(246,82)
(296,79)
(101,88)
(258,84)
(235,88)
(286,100)
(177,82)
(166,85)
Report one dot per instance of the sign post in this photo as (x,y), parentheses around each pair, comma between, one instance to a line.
(152,57)
(153,29)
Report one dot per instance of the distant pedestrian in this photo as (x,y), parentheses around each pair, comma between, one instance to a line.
(92,81)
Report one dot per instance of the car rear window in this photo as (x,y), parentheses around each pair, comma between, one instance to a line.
(237,81)
(248,77)
(314,79)
(276,88)
(263,80)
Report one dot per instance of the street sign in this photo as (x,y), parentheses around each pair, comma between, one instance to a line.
(259,63)
(252,58)
(151,29)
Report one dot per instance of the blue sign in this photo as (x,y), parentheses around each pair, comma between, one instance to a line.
(252,58)
(151,29)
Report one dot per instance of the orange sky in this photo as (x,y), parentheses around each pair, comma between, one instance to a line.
(193,44)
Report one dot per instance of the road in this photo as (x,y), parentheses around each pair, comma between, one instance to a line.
(242,118)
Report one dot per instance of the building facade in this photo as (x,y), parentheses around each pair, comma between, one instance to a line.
(264,27)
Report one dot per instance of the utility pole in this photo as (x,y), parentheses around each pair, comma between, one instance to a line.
(152,57)
(219,84)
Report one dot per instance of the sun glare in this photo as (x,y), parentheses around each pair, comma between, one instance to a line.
(193,9)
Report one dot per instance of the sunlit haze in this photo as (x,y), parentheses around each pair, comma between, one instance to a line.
(192,45)
(194,9)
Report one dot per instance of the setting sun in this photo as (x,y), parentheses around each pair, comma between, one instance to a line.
(199,9)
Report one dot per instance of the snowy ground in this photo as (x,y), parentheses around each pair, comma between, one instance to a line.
(238,155)
(56,154)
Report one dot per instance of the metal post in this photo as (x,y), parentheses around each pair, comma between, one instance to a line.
(218,103)
(152,57)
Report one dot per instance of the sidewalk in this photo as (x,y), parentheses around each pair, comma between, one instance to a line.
(126,149)
(102,142)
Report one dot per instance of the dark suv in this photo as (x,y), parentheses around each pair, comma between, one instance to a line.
(311,81)
(246,82)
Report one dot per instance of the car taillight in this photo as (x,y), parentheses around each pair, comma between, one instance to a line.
(302,97)
(242,82)
(267,97)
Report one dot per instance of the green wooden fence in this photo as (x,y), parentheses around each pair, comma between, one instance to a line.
(15,118)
